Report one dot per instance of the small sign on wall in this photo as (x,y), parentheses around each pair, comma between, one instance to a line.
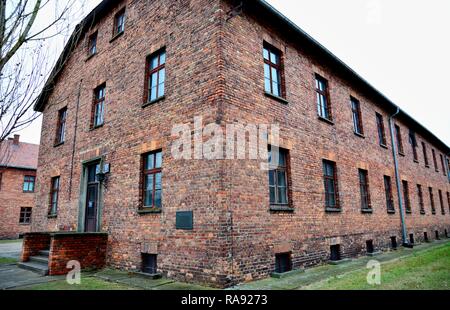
(185,220)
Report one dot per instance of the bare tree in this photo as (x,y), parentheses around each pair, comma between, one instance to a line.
(28,32)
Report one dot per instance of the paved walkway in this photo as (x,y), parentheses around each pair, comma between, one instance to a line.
(301,279)
(11,249)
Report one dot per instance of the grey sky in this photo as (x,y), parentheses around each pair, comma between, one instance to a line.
(400,46)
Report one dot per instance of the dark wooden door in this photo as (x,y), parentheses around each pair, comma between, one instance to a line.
(91,213)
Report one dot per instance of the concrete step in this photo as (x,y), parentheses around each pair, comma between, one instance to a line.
(39,259)
(39,268)
(44,253)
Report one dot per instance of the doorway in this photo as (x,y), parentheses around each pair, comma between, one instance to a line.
(92,197)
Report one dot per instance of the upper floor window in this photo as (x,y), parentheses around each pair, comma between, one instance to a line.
(443,164)
(119,22)
(61,128)
(1,174)
(420,196)
(25,216)
(441,201)
(448,201)
(364,189)
(436,167)
(331,185)
(323,102)
(381,130)
(413,142)
(54,195)
(156,76)
(28,184)
(272,71)
(278,177)
(152,180)
(398,135)
(92,44)
(357,116)
(433,208)
(425,155)
(388,192)
(405,187)
(98,109)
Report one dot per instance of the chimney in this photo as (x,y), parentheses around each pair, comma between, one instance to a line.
(16,139)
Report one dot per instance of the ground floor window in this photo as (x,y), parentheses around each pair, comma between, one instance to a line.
(25,215)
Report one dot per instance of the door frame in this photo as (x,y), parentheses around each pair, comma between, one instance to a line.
(83,195)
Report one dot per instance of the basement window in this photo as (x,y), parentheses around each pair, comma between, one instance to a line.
(437,235)
(369,246)
(149,263)
(411,238)
(335,252)
(446,233)
(283,262)
(425,236)
(394,244)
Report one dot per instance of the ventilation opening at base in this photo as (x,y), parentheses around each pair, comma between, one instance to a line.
(369,246)
(394,242)
(149,263)
(436,233)
(283,262)
(425,236)
(446,233)
(411,238)
(335,252)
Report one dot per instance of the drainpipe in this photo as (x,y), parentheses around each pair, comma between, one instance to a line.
(397,178)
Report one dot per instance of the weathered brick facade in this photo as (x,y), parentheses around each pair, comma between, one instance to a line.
(215,70)
(17,160)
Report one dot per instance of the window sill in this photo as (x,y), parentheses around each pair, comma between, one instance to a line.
(91,56)
(408,212)
(58,144)
(384,146)
(24,224)
(52,216)
(434,212)
(326,120)
(401,154)
(360,135)
(153,101)
(391,211)
(416,161)
(149,211)
(281,209)
(333,210)
(427,166)
(116,36)
(277,98)
(28,192)
(96,127)
(367,211)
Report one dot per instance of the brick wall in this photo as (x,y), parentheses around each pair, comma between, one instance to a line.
(215,69)
(12,198)
(33,243)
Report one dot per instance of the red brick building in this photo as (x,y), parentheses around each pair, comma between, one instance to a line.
(134,69)
(18,164)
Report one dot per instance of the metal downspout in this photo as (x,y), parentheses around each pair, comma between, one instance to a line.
(397,178)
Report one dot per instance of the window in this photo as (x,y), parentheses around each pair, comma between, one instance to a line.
(28,184)
(149,263)
(425,155)
(119,23)
(435,160)
(61,128)
(433,208)
(25,215)
(54,196)
(357,116)
(406,196)
(421,202)
(155,76)
(443,164)
(413,142)
(272,71)
(441,201)
(331,185)
(152,180)
(278,178)
(381,130)
(323,102)
(448,201)
(98,110)
(283,262)
(1,174)
(92,44)
(388,191)
(364,189)
(398,135)
(335,252)
(369,246)
(394,242)
(411,238)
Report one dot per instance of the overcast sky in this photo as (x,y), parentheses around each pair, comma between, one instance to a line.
(401,47)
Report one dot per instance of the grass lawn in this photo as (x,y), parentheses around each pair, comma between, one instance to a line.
(5,260)
(426,270)
(10,241)
(88,283)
